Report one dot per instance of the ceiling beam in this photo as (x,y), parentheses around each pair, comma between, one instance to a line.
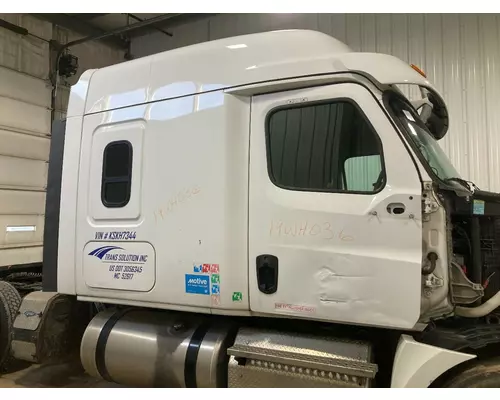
(136,18)
(88,17)
(172,22)
(84,28)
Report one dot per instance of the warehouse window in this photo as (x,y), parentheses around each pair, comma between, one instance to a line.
(327,146)
(116,174)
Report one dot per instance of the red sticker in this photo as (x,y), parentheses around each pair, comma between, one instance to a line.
(214,269)
(206,268)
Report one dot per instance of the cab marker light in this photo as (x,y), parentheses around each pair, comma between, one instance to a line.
(418,70)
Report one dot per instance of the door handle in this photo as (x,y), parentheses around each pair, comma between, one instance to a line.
(267,273)
(396,208)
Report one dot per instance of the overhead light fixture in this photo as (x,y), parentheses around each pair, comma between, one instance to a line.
(236,46)
(30,228)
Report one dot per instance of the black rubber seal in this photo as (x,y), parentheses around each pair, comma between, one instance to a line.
(53,208)
(192,355)
(102,340)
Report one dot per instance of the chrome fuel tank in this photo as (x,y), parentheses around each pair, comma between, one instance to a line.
(146,348)
(143,348)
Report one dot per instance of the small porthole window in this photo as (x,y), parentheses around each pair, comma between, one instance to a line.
(116,174)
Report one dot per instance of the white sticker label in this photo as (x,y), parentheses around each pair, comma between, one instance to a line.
(129,266)
(294,308)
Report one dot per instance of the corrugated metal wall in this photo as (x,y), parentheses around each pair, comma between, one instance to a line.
(459,53)
(25,125)
(24,139)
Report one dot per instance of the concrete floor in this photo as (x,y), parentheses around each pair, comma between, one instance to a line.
(22,375)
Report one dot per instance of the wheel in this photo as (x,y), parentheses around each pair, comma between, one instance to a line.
(10,300)
(480,374)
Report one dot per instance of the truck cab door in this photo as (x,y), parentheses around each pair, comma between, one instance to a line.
(334,210)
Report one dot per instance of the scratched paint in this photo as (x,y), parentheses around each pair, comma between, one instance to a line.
(321,230)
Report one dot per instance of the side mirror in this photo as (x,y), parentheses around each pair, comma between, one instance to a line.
(433,113)
(438,121)
(424,108)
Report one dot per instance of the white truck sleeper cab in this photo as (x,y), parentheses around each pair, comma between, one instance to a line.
(212,196)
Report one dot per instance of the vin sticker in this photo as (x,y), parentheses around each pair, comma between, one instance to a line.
(125,235)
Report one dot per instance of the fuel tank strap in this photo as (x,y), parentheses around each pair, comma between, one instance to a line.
(192,355)
(100,351)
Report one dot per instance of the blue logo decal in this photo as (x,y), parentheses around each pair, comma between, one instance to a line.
(29,314)
(197,284)
(102,251)
(215,288)
(197,268)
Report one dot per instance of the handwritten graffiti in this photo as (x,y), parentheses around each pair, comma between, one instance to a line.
(323,230)
(175,202)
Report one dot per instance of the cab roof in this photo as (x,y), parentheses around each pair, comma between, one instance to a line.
(229,63)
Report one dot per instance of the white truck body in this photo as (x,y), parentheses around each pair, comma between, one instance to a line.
(210,193)
(201,193)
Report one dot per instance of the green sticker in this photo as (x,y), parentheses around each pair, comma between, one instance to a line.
(215,278)
(237,296)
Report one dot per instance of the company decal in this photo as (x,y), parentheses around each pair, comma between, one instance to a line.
(294,308)
(478,208)
(215,279)
(214,268)
(237,297)
(211,272)
(198,268)
(206,268)
(29,313)
(198,284)
(125,235)
(120,263)
(216,289)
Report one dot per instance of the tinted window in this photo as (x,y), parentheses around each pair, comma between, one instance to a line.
(324,147)
(116,174)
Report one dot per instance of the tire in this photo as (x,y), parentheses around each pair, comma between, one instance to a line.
(10,300)
(480,374)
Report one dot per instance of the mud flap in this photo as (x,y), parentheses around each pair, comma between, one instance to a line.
(49,327)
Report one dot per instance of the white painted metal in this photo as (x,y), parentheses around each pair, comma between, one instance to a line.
(190,186)
(417,365)
(213,65)
(459,53)
(337,251)
(237,61)
(191,163)
(91,54)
